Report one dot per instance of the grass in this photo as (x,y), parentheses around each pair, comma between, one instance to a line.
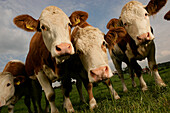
(155,100)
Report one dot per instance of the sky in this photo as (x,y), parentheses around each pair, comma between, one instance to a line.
(14,42)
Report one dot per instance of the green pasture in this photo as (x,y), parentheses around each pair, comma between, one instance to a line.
(155,100)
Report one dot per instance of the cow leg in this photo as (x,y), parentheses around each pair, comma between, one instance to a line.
(89,87)
(112,90)
(37,94)
(47,109)
(10,108)
(154,67)
(118,65)
(79,89)
(66,89)
(28,103)
(49,91)
(138,70)
(132,76)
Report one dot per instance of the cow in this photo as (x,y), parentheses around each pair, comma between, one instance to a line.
(167,16)
(130,39)
(91,54)
(49,48)
(14,84)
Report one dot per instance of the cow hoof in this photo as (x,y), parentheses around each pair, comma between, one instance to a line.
(125,90)
(70,110)
(56,111)
(162,84)
(134,85)
(117,97)
(93,104)
(144,89)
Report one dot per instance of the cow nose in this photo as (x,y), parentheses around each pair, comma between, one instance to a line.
(64,48)
(145,36)
(100,73)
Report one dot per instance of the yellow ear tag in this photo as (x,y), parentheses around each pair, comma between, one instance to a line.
(29,27)
(78,21)
(18,83)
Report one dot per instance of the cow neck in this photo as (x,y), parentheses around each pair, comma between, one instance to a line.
(132,45)
(38,56)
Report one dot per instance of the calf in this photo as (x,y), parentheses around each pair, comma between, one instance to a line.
(49,48)
(91,54)
(134,40)
(14,83)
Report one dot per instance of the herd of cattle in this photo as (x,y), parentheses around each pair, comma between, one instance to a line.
(57,54)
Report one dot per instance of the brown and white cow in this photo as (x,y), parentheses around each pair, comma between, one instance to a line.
(14,83)
(49,47)
(134,41)
(91,52)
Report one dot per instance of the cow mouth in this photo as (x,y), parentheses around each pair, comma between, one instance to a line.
(62,58)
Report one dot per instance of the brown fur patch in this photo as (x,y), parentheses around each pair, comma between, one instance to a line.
(15,68)
(154,6)
(113,23)
(79,18)
(167,15)
(26,22)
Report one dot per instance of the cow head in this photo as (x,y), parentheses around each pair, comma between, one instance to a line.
(54,25)
(135,18)
(91,47)
(7,87)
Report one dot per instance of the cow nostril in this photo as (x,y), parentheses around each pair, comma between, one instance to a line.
(92,73)
(58,49)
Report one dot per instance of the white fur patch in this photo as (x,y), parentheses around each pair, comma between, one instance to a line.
(88,41)
(57,31)
(133,14)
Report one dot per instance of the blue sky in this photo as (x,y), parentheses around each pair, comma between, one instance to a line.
(14,42)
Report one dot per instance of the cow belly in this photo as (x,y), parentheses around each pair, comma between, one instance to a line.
(50,73)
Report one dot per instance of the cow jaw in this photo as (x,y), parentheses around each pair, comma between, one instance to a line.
(136,21)
(7,88)
(54,25)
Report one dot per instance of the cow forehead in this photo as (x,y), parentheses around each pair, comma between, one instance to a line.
(132,10)
(89,37)
(5,77)
(54,15)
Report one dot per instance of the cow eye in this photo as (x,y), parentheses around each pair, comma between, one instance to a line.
(44,28)
(8,84)
(104,43)
(146,14)
(125,24)
(69,24)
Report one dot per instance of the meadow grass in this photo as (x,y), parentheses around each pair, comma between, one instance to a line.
(155,100)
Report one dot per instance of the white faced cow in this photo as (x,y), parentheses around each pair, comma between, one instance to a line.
(90,47)
(49,47)
(14,83)
(134,41)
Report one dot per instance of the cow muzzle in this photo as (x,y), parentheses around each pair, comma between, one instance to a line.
(144,38)
(100,74)
(64,49)
(2,102)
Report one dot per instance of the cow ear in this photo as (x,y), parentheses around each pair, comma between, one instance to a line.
(114,23)
(111,37)
(19,80)
(26,23)
(167,15)
(78,17)
(154,6)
